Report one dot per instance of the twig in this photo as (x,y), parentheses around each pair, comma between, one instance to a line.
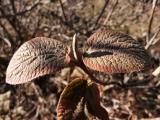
(110,12)
(6,41)
(102,11)
(7,33)
(28,9)
(151,19)
(36,28)
(139,83)
(13,6)
(158,118)
(62,7)
(153,40)
(12,23)
(156,72)
(17,23)
(70,26)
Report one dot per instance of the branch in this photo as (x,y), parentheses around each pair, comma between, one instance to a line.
(70,26)
(156,72)
(7,33)
(13,6)
(153,40)
(28,9)
(6,41)
(110,12)
(64,15)
(151,19)
(12,23)
(102,11)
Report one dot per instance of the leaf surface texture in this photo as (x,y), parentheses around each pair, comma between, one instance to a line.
(37,57)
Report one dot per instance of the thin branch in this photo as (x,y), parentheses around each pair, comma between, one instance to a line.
(7,33)
(110,12)
(156,72)
(6,41)
(158,118)
(102,11)
(62,7)
(153,40)
(12,23)
(151,19)
(28,9)
(36,28)
(70,26)
(139,83)
(13,6)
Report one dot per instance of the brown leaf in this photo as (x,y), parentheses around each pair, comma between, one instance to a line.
(37,57)
(113,52)
(71,103)
(93,109)
(79,111)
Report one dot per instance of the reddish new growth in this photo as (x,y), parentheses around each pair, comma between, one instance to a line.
(108,51)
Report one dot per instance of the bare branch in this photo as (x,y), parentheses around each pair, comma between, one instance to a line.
(13,6)
(156,72)
(6,41)
(158,118)
(7,33)
(153,40)
(102,11)
(62,7)
(28,9)
(110,12)
(151,19)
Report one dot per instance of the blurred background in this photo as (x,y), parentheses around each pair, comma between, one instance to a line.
(21,20)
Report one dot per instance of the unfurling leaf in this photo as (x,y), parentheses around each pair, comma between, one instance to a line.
(93,109)
(37,57)
(71,103)
(113,52)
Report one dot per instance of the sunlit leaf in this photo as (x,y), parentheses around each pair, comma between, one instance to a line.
(71,104)
(37,57)
(113,52)
(93,109)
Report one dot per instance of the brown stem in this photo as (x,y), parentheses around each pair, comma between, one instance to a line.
(151,19)
(62,7)
(102,11)
(21,13)
(153,40)
(110,12)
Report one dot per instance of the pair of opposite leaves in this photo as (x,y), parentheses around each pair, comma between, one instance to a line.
(109,52)
(80,101)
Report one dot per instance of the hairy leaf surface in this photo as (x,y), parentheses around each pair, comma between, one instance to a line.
(113,52)
(71,104)
(37,57)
